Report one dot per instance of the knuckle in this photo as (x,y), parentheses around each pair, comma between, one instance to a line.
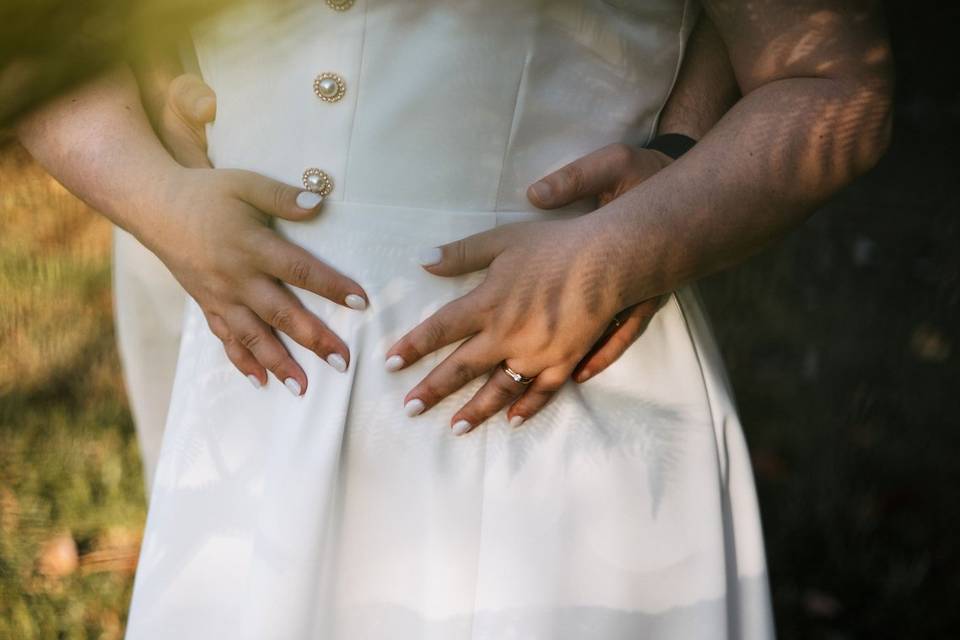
(250,340)
(282,319)
(502,393)
(430,393)
(549,384)
(483,300)
(278,196)
(435,332)
(462,372)
(460,251)
(280,364)
(300,272)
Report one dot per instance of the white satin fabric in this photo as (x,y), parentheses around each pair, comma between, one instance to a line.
(625,509)
(148,318)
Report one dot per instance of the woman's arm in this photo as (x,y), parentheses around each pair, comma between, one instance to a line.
(208,226)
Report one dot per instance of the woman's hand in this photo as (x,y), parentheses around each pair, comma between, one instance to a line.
(231,262)
(549,295)
(605,174)
(215,239)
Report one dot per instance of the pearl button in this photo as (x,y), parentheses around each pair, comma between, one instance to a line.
(329,87)
(340,5)
(317,181)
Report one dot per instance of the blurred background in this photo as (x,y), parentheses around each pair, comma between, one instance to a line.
(842,345)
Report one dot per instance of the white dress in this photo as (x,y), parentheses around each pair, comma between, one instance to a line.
(625,509)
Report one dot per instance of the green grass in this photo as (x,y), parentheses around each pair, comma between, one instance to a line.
(69,464)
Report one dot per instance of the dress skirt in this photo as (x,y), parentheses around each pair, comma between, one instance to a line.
(623,510)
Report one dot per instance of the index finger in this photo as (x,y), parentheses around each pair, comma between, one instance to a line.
(298,267)
(453,321)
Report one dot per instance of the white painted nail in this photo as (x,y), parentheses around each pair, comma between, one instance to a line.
(516,421)
(356,302)
(293,386)
(430,256)
(394,363)
(308,200)
(336,361)
(414,408)
(460,427)
(255,381)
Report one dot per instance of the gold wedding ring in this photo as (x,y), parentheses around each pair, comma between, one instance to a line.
(517,377)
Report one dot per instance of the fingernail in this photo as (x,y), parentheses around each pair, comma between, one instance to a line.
(356,302)
(394,363)
(460,427)
(255,381)
(543,190)
(516,421)
(293,386)
(201,108)
(414,408)
(430,256)
(308,200)
(336,361)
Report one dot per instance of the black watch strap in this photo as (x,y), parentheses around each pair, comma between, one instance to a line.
(672,144)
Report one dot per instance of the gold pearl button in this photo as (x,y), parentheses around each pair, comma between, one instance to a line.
(329,87)
(340,5)
(317,181)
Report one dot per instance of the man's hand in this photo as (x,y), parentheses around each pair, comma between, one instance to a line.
(189,106)
(605,174)
(180,114)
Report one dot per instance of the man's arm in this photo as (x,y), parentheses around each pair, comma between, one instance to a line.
(706,86)
(816,110)
(705,89)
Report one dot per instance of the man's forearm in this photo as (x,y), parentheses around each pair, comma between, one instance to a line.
(96,141)
(706,87)
(792,142)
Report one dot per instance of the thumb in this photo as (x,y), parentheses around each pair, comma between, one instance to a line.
(274,198)
(591,175)
(189,106)
(469,254)
(190,98)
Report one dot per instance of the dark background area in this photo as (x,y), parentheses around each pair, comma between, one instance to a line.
(842,345)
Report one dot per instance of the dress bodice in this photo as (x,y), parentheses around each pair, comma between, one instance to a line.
(454,104)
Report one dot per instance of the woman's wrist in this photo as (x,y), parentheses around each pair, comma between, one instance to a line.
(149,212)
(636,239)
(599,241)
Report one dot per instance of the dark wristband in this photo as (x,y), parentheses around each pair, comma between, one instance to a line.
(672,144)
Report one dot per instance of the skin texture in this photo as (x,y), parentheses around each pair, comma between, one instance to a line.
(229,259)
(815,113)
